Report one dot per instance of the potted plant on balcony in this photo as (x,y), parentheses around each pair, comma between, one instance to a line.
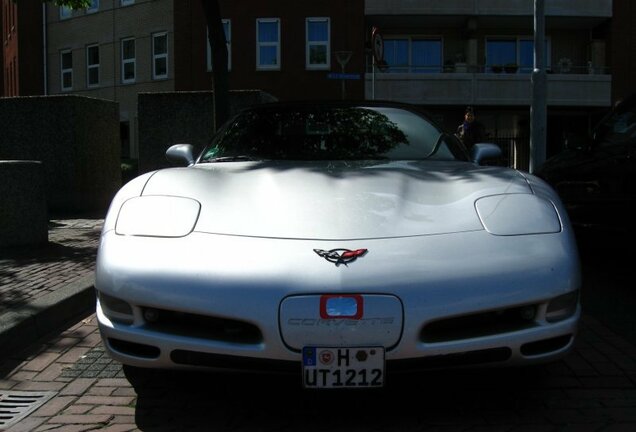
(460,63)
(496,68)
(564,65)
(511,68)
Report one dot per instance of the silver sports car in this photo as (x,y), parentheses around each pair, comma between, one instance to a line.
(339,241)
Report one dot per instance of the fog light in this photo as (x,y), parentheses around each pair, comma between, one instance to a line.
(562,307)
(151,315)
(115,309)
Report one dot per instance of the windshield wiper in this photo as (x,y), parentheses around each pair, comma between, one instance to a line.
(438,143)
(239,158)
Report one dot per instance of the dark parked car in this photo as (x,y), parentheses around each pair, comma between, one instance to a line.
(596,176)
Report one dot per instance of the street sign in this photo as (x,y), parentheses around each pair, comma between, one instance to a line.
(378,45)
(343,76)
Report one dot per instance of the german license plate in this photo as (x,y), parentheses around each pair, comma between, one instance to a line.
(359,367)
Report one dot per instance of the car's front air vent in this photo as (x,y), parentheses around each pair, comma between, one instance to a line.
(194,358)
(468,358)
(545,346)
(479,325)
(201,326)
(134,349)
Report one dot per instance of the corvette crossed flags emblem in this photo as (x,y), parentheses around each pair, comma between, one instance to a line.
(341,256)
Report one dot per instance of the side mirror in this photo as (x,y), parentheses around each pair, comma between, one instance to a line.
(484,151)
(181,154)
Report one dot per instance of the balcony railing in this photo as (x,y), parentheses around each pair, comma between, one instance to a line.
(574,8)
(580,85)
(568,69)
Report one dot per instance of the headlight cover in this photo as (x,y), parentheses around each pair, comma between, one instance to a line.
(157,216)
(517,214)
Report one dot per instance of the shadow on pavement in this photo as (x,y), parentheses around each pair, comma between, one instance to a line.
(209,401)
(27,272)
(608,293)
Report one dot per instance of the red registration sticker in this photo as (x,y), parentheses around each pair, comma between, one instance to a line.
(341,306)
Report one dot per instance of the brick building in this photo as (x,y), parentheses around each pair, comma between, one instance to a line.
(116,49)
(442,56)
(286,48)
(21,55)
(623,53)
(112,50)
(447,55)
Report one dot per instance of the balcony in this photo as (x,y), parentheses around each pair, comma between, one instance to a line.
(572,8)
(574,89)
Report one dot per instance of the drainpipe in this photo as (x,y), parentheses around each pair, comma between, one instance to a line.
(45,49)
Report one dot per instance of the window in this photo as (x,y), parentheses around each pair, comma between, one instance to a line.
(127,2)
(160,56)
(92,65)
(413,54)
(426,55)
(94,6)
(396,54)
(526,56)
(268,43)
(65,12)
(227,28)
(128,62)
(317,34)
(516,52)
(500,53)
(66,69)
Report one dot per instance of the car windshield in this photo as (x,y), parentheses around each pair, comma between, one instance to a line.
(618,128)
(330,133)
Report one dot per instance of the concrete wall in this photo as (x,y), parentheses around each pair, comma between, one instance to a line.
(23,213)
(181,117)
(489,89)
(106,28)
(77,140)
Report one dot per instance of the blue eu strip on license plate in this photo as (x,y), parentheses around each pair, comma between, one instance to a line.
(338,367)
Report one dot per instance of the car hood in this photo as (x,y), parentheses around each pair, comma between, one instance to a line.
(336,200)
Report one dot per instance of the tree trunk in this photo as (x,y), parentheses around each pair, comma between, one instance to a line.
(216,37)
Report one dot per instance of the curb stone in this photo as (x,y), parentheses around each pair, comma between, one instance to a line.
(24,325)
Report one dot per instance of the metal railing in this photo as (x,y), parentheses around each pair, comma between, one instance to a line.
(562,69)
(515,150)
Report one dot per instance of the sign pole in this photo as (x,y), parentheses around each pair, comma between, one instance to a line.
(373,78)
(538,109)
(378,55)
(343,58)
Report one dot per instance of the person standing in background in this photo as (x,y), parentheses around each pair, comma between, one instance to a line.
(471,131)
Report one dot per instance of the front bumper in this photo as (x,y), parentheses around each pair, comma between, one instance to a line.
(230,291)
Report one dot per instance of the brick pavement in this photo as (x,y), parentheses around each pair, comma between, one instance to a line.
(29,273)
(593,389)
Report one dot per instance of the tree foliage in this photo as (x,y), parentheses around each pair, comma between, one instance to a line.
(73,4)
